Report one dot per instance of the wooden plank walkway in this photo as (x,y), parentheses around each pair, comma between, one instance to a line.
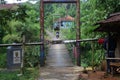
(58,56)
(59,65)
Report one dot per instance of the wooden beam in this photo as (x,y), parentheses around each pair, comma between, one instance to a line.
(20,44)
(113,58)
(59,1)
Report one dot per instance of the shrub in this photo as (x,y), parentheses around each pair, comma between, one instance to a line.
(3,60)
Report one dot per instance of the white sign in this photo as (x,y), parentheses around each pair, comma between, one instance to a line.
(16,57)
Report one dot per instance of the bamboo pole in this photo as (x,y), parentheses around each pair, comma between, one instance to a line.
(92,55)
(23,51)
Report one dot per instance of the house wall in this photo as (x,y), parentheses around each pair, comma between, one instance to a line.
(64,24)
(117,51)
(67,24)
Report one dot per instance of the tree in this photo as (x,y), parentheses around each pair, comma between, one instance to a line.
(109,6)
(22,21)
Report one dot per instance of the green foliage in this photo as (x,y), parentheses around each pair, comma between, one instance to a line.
(23,20)
(89,16)
(4,75)
(68,33)
(32,56)
(30,74)
(92,11)
(92,58)
(11,38)
(109,6)
(15,23)
(3,60)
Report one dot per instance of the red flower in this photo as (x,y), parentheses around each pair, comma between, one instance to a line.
(101,41)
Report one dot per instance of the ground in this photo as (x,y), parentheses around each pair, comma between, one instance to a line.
(58,73)
(74,73)
(98,75)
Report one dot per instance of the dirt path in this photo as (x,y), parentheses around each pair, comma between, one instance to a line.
(59,73)
(98,75)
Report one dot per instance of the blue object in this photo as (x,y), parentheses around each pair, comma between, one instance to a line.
(42,56)
(112,44)
(14,57)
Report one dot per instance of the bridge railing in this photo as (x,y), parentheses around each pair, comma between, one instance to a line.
(91,52)
(59,41)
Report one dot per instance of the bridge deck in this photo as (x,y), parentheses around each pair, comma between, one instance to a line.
(58,56)
(59,65)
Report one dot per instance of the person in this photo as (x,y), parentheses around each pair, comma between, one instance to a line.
(110,46)
(57,34)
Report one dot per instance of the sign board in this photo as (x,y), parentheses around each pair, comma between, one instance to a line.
(16,57)
(59,1)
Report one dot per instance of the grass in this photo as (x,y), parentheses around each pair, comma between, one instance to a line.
(29,74)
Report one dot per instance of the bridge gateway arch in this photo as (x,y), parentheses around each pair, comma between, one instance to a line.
(78,31)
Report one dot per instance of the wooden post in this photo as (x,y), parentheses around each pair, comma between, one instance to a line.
(42,55)
(23,51)
(78,34)
(92,55)
(107,46)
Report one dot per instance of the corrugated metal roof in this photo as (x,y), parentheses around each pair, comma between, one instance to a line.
(112,18)
(8,6)
(111,24)
(66,18)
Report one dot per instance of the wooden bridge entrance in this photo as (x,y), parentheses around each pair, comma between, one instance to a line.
(42,3)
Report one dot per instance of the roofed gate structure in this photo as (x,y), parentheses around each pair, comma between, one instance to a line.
(111,25)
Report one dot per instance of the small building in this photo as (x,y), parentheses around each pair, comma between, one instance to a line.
(64,22)
(111,25)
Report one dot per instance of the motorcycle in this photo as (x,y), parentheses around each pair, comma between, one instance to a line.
(57,36)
